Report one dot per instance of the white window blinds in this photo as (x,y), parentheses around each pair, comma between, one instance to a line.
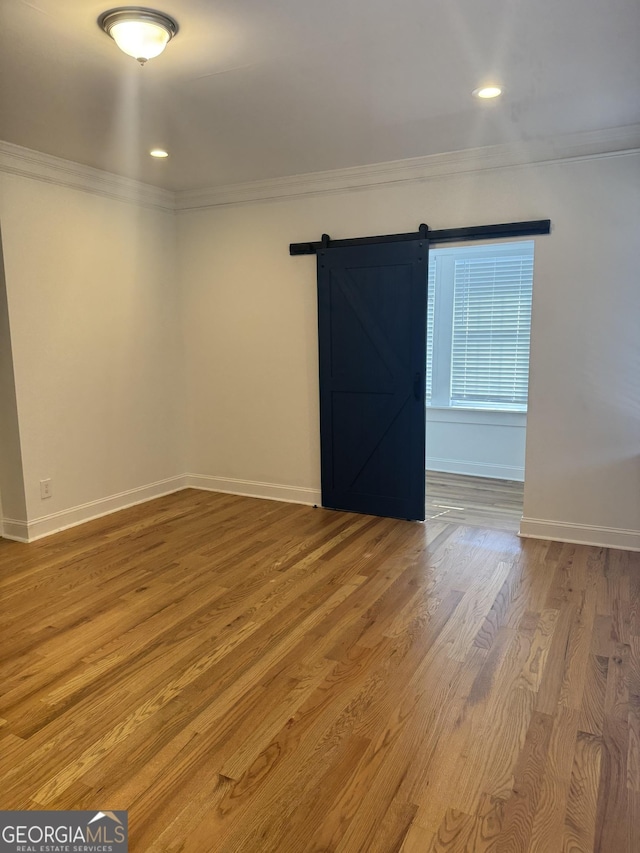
(491,331)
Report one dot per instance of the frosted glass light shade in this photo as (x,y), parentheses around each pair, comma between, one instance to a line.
(140,33)
(140,39)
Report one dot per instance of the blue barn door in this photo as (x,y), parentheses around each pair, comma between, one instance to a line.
(372,303)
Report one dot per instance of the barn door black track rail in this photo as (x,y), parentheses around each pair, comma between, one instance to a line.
(444,235)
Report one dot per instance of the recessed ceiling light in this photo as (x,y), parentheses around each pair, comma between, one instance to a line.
(140,33)
(487,92)
(160,153)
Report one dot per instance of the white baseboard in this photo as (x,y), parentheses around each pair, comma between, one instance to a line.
(37,528)
(475,469)
(580,534)
(534,528)
(45,525)
(17,531)
(252,489)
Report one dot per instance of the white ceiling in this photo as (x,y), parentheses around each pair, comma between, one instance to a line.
(253,89)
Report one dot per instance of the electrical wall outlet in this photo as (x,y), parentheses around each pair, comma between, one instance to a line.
(46,490)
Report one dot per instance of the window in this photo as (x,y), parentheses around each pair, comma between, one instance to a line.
(478,327)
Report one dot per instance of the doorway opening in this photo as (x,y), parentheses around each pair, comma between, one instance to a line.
(478,339)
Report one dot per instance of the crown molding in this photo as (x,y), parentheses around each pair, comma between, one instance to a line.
(15,160)
(587,145)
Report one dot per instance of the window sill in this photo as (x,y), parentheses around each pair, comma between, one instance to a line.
(474,409)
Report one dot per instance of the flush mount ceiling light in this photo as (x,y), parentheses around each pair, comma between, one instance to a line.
(159,153)
(486,92)
(140,33)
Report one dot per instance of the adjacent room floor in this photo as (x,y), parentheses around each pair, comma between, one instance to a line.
(477,501)
(246,675)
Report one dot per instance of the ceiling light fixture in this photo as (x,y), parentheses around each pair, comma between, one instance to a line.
(487,92)
(159,153)
(138,32)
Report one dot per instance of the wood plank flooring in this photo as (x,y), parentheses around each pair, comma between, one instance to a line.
(475,501)
(245,675)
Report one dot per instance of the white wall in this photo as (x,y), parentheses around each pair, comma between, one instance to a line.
(583,437)
(12,499)
(137,359)
(481,444)
(251,348)
(93,307)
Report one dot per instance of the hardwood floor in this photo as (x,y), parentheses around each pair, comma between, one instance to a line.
(476,501)
(245,675)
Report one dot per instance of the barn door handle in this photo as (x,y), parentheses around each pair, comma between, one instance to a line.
(417,383)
